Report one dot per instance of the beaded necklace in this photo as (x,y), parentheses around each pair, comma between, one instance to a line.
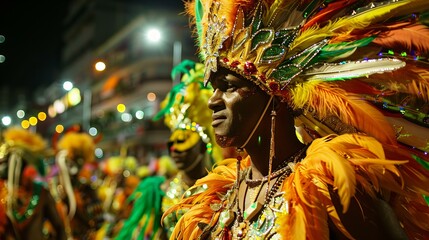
(284,167)
(241,224)
(29,211)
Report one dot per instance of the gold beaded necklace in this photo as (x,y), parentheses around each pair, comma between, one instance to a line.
(242,221)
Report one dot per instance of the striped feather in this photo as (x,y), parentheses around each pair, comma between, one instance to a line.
(325,99)
(341,27)
(353,69)
(412,79)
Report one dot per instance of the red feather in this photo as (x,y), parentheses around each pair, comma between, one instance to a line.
(359,87)
(327,13)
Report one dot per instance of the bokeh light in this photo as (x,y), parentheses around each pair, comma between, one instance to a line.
(6,120)
(20,113)
(121,108)
(67,85)
(139,114)
(100,66)
(92,131)
(153,35)
(59,128)
(25,124)
(99,152)
(33,121)
(126,117)
(151,97)
(41,116)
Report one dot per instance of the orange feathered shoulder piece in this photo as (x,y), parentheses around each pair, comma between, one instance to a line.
(200,208)
(342,163)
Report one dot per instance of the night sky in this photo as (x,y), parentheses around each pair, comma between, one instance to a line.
(33,41)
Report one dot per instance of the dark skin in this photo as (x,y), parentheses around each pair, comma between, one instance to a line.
(237,104)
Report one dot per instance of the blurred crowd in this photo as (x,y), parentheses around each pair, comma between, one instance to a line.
(64,193)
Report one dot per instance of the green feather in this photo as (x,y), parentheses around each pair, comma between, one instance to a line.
(421,162)
(147,201)
(171,100)
(426,198)
(332,52)
(199,13)
(182,68)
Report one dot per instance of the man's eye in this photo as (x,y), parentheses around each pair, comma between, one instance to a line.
(231,87)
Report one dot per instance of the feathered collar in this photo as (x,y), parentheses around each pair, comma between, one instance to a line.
(337,162)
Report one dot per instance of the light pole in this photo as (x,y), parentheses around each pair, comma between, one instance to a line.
(177,58)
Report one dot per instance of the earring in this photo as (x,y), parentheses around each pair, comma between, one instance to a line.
(272,147)
(237,184)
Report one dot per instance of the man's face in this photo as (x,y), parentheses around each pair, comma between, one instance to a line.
(237,104)
(184,147)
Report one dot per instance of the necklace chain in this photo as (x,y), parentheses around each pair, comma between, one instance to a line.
(282,168)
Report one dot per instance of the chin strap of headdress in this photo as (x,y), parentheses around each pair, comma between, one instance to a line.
(257,123)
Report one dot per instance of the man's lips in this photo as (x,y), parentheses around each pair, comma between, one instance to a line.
(217,119)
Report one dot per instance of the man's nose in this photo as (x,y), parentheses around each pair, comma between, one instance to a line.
(215,99)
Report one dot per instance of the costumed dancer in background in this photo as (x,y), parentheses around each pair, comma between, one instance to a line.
(25,201)
(191,147)
(274,62)
(118,184)
(75,159)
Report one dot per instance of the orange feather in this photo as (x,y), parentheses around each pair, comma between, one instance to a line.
(414,37)
(325,99)
(412,79)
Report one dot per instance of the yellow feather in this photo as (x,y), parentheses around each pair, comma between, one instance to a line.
(341,26)
(325,100)
(341,169)
(326,201)
(298,229)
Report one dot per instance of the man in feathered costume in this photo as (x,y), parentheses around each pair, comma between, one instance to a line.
(282,67)
(25,200)
(75,159)
(191,147)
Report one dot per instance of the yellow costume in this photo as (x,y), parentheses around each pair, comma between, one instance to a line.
(185,112)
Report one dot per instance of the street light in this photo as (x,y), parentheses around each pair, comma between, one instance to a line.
(67,85)
(6,120)
(154,35)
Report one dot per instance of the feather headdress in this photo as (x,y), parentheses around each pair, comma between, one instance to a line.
(304,52)
(20,147)
(185,106)
(359,64)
